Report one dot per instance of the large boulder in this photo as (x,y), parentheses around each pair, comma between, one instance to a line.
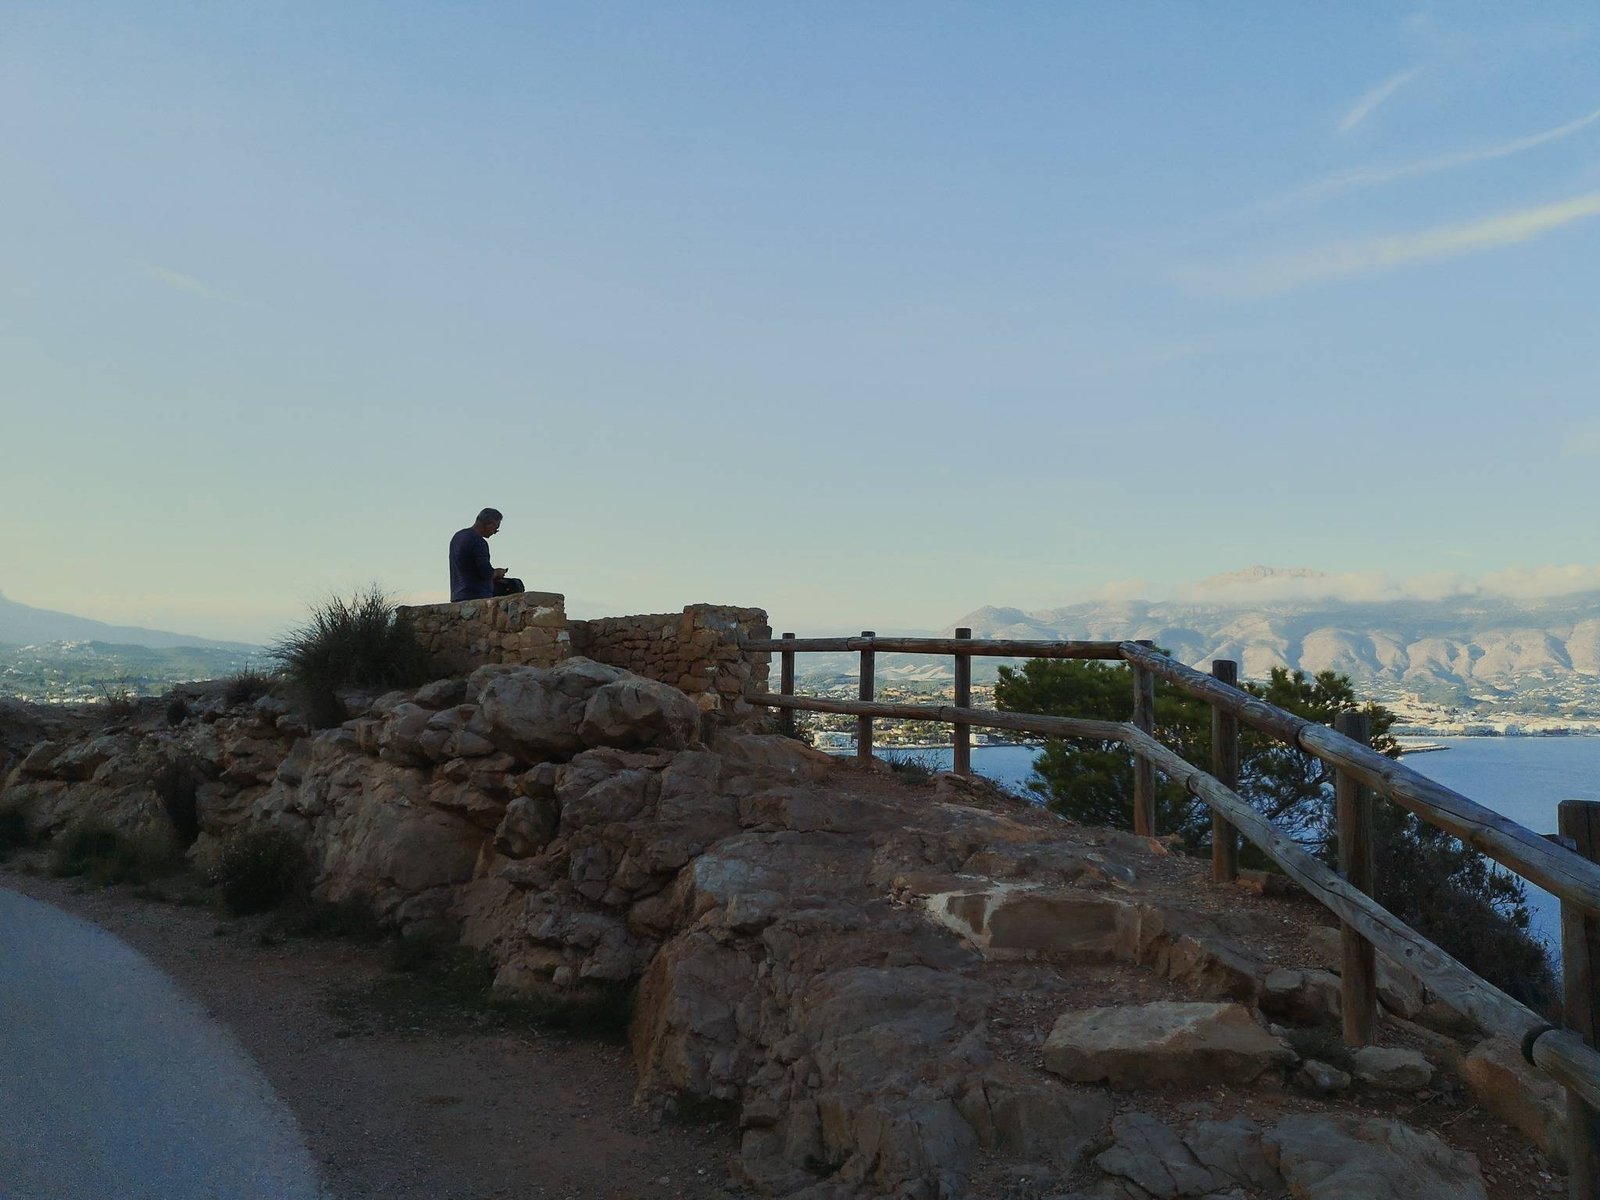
(634,712)
(1164,1042)
(536,713)
(1521,1095)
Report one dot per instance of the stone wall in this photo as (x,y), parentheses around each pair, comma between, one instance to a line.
(530,628)
(696,650)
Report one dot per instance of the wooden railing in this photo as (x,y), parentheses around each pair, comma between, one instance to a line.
(1564,867)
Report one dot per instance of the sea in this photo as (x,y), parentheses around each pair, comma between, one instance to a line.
(1523,778)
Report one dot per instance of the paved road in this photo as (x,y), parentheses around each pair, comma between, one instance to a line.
(114,1084)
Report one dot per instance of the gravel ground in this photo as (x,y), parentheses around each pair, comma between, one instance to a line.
(431,1110)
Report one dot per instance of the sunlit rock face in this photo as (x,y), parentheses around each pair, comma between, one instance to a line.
(891,986)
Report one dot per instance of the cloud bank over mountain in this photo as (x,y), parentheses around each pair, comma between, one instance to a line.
(1274,585)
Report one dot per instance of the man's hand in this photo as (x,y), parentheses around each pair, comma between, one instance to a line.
(500,572)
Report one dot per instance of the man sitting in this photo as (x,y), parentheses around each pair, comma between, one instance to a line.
(472,577)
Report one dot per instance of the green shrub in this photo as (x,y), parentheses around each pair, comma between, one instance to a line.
(177,710)
(177,786)
(106,855)
(355,643)
(259,869)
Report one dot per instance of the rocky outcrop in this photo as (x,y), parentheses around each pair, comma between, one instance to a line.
(837,958)
(1306,1157)
(24,726)
(112,772)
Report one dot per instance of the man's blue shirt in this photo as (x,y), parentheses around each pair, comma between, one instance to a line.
(471,575)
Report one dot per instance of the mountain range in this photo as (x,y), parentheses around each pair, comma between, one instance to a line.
(1471,648)
(23,625)
(1455,645)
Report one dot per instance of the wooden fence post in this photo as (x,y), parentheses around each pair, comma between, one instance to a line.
(1580,952)
(1225,767)
(1358,978)
(786,685)
(961,754)
(864,723)
(1144,772)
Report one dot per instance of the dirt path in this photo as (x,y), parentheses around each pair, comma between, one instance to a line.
(433,1111)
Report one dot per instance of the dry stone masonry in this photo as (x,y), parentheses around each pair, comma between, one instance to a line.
(530,628)
(697,651)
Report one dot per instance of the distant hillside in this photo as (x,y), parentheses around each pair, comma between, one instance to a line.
(1451,650)
(22,625)
(58,671)
(1463,643)
(1457,647)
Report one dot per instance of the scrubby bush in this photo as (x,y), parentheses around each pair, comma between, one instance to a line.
(119,698)
(1475,911)
(918,767)
(177,786)
(14,831)
(246,686)
(355,643)
(353,917)
(258,869)
(106,855)
(800,729)
(459,980)
(177,710)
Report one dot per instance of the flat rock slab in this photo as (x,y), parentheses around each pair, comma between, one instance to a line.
(1300,1158)
(1017,921)
(1354,1158)
(1165,1042)
(1393,1069)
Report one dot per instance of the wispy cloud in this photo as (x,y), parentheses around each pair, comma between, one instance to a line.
(1375,98)
(1583,441)
(1376,176)
(182,282)
(1286,272)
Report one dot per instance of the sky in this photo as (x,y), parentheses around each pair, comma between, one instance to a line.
(865,314)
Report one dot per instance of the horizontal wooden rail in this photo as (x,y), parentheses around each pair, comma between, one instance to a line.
(1539,860)
(1105,731)
(987,648)
(1567,1059)
(1564,1054)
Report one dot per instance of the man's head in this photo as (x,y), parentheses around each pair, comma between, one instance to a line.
(488,522)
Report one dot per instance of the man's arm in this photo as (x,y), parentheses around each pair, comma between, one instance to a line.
(482,570)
